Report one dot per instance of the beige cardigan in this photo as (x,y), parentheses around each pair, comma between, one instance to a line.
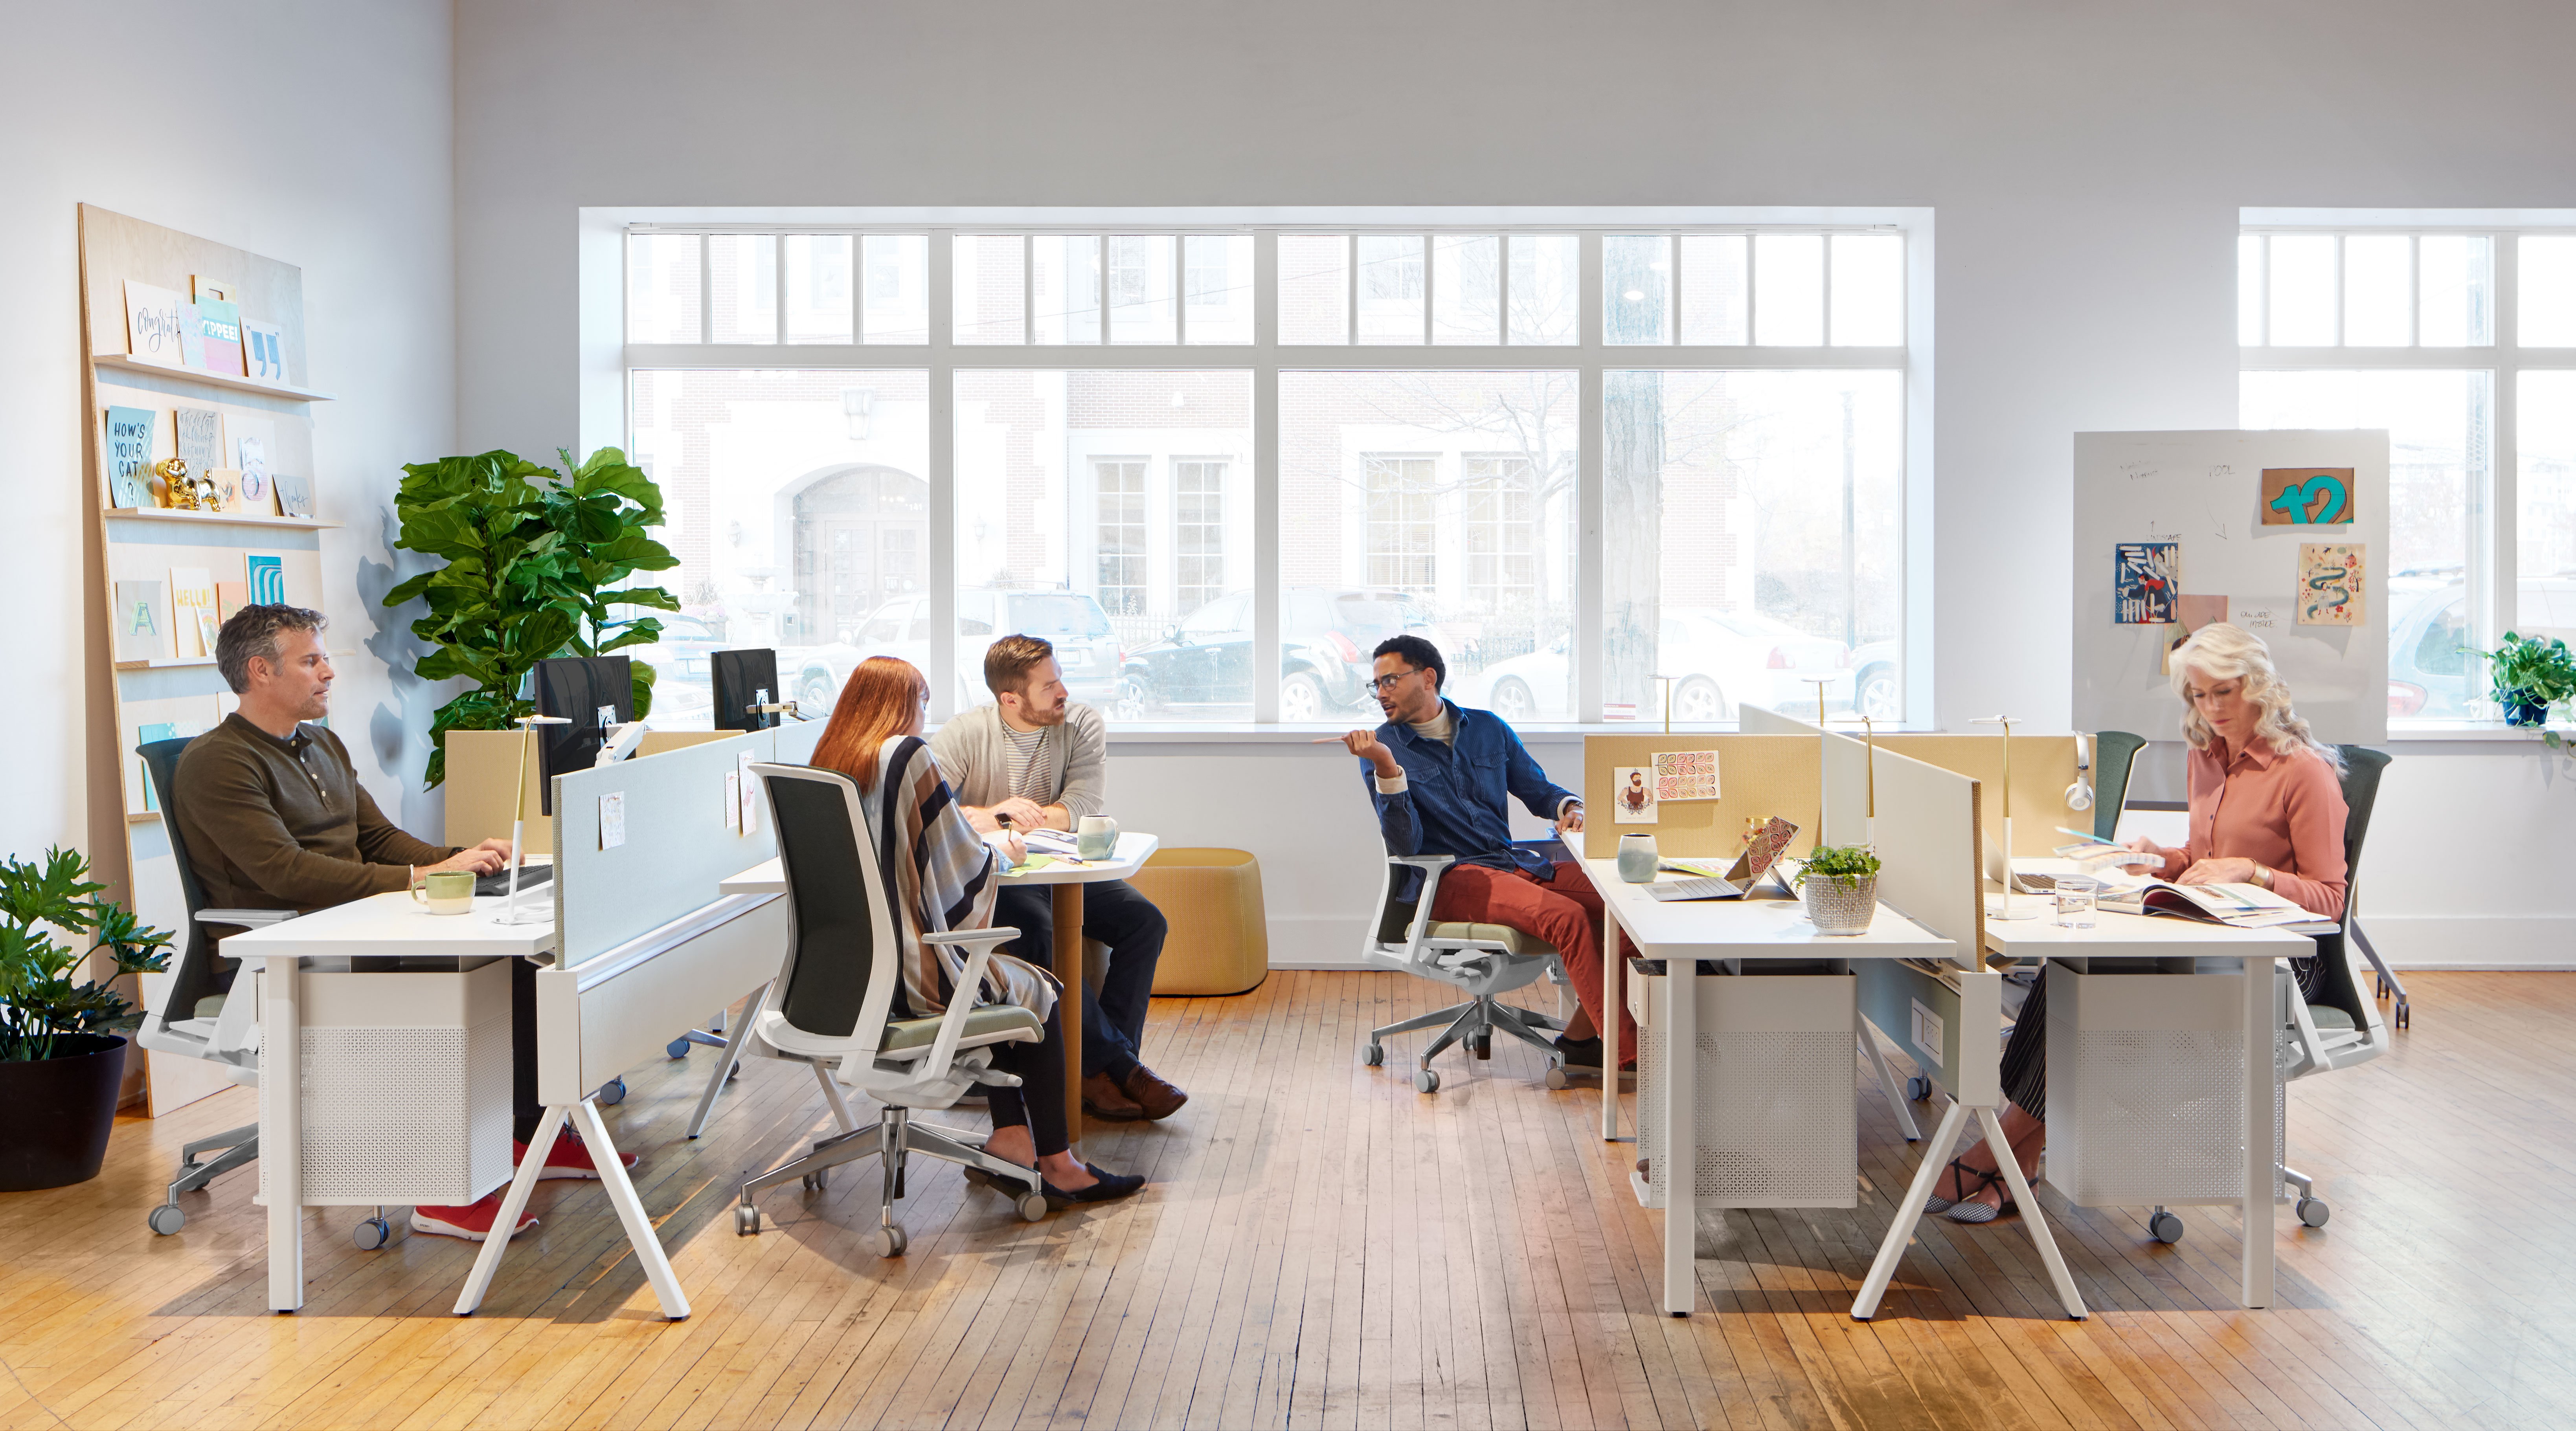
(977,764)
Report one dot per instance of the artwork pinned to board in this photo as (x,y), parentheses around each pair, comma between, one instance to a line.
(264,350)
(142,622)
(1632,801)
(200,434)
(192,610)
(294,494)
(128,451)
(2332,577)
(2307,496)
(2145,578)
(158,326)
(267,579)
(1686,775)
(2190,614)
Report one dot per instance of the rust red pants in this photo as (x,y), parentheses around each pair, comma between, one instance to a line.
(1563,909)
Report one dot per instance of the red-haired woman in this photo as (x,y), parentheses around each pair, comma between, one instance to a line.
(942,876)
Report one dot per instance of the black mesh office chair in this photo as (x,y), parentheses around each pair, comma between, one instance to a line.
(191,1022)
(836,993)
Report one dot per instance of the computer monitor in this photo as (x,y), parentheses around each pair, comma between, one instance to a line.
(744,679)
(594,693)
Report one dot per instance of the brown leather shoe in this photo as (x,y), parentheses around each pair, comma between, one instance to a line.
(1102,1098)
(1157,1099)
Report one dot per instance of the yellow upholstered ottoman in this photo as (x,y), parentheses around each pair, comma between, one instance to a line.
(1220,940)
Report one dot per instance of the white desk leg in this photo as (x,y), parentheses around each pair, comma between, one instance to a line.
(1681,1134)
(281,1141)
(1900,1230)
(630,1211)
(1886,1080)
(2031,1217)
(1610,997)
(532,1165)
(2260,1178)
(731,1057)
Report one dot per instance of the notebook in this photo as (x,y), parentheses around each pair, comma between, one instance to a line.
(1738,880)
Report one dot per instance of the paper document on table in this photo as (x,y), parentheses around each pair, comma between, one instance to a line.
(2243,906)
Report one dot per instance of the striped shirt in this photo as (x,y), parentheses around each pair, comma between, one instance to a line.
(1032,764)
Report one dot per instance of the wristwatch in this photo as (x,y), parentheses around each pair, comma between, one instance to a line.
(2263,876)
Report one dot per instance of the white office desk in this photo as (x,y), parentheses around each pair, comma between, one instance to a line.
(2250,951)
(1065,878)
(384,925)
(1681,933)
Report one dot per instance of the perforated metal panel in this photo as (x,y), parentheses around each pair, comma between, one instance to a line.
(2143,1115)
(402,1115)
(1775,1111)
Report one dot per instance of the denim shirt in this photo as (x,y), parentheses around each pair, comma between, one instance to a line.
(1452,803)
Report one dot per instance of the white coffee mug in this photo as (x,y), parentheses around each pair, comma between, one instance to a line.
(444,891)
(1095,837)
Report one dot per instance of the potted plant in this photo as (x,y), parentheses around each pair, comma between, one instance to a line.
(535,561)
(2530,674)
(61,1060)
(1840,883)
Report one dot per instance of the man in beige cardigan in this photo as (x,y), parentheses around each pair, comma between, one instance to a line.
(1035,760)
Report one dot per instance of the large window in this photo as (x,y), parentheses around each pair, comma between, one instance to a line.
(2461,343)
(1287,445)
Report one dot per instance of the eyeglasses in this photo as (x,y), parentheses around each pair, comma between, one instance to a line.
(1383,684)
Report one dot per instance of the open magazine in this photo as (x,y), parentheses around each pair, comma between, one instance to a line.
(2245,906)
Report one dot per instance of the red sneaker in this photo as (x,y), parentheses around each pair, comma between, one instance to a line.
(473,1222)
(569,1158)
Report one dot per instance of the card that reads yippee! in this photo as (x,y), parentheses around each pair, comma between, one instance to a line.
(219,323)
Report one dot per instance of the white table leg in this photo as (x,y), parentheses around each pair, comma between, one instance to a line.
(532,1165)
(2260,1178)
(1610,997)
(731,1057)
(281,1136)
(1900,1231)
(1681,1132)
(1887,1083)
(630,1211)
(2031,1217)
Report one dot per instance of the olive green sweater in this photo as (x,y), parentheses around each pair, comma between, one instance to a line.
(284,824)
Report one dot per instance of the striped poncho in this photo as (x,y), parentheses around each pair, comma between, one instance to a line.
(941,877)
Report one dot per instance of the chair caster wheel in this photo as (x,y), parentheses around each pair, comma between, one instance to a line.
(677,1048)
(1426,1081)
(1482,1046)
(733,1073)
(371,1234)
(166,1219)
(2314,1212)
(612,1093)
(1556,1078)
(1033,1207)
(816,1182)
(891,1242)
(746,1221)
(1374,1055)
(1917,1088)
(2165,1227)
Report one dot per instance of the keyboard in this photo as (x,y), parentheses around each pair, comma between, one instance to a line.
(532,877)
(2034,883)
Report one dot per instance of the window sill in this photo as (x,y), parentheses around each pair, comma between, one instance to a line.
(2484,730)
(1247,733)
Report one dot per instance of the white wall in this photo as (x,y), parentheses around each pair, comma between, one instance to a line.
(2086,163)
(315,133)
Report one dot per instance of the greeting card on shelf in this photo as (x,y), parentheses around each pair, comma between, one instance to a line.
(264,350)
(253,440)
(267,579)
(157,326)
(192,608)
(145,734)
(294,494)
(230,596)
(200,436)
(128,450)
(219,324)
(142,622)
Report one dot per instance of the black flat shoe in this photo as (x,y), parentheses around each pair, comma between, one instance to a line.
(1960,1172)
(1579,1055)
(1110,1188)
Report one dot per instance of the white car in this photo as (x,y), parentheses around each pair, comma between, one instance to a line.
(1717,658)
(1086,646)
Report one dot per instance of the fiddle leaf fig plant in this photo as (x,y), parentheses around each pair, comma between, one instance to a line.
(537,559)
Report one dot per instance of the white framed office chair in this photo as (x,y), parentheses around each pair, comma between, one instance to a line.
(836,991)
(198,1018)
(1479,960)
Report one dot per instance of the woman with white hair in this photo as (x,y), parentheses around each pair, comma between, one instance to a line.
(2267,809)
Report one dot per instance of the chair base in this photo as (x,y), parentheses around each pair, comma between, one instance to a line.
(1474,1022)
(239,1146)
(893,1141)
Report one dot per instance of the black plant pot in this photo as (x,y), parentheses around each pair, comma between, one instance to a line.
(2519,710)
(55,1113)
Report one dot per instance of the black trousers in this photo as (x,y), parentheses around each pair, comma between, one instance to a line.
(1039,1100)
(1113,1023)
(2025,1067)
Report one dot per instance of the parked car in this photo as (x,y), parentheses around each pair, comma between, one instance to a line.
(1717,658)
(1204,665)
(2429,676)
(682,690)
(1086,647)
(1876,691)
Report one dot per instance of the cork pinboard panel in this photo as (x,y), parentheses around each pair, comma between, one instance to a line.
(2042,767)
(1758,776)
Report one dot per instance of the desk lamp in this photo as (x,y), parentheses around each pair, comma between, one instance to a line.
(2009,910)
(1819,682)
(519,823)
(1869,745)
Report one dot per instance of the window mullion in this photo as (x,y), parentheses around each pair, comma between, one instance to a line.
(1265,477)
(2495,539)
(1586,642)
(942,563)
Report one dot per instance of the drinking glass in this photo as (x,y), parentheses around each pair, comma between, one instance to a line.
(2075,898)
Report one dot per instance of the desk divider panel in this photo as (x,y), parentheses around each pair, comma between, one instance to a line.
(1930,871)
(2042,767)
(1758,776)
(1846,771)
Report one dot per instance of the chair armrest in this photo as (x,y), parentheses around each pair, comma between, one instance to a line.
(245,918)
(971,936)
(1431,866)
(1423,862)
(952,1024)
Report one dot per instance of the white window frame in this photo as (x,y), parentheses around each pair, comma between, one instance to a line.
(2494,499)
(607,360)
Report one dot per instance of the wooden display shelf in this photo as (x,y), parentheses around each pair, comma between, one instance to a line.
(159,663)
(126,363)
(235,519)
(143,817)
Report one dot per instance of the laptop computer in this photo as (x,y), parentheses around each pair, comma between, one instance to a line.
(1768,844)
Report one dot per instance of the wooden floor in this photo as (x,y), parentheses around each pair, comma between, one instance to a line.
(1322,1246)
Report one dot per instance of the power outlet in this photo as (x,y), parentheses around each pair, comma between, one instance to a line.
(1927,1031)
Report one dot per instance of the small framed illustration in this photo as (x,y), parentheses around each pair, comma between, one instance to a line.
(1632,799)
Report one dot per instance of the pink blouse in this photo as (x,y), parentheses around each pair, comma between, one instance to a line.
(2282,811)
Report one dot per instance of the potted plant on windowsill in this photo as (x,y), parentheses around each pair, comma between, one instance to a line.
(2530,674)
(1840,883)
(61,1059)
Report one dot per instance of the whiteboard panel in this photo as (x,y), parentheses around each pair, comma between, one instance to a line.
(2204,491)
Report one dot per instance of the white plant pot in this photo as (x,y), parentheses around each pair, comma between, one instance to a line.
(1841,904)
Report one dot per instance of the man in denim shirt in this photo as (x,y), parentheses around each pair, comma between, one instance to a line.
(1439,776)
